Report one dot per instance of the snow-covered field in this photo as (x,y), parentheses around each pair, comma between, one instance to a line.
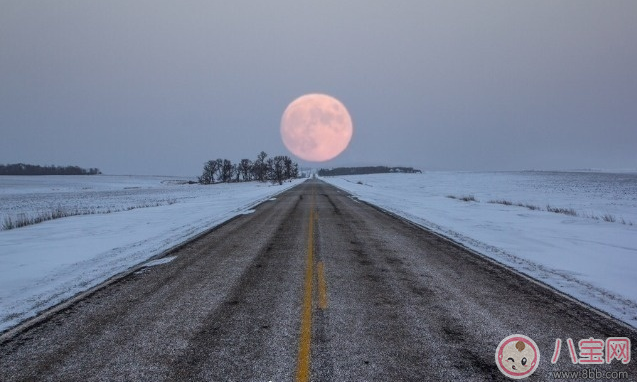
(130,219)
(584,256)
(126,220)
(33,196)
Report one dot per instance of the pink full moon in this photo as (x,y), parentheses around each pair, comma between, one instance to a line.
(316,127)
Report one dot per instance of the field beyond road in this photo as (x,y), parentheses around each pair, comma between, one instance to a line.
(313,285)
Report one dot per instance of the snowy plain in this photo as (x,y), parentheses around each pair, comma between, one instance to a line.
(125,221)
(584,256)
(131,219)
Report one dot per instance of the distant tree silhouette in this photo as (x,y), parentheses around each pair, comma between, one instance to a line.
(226,171)
(260,167)
(245,168)
(278,169)
(275,169)
(288,167)
(236,173)
(209,170)
(269,169)
(366,170)
(29,169)
(219,167)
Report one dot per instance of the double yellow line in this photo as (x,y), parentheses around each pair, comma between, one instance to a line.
(305,343)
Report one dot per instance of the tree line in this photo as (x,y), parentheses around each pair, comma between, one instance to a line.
(274,169)
(29,169)
(366,170)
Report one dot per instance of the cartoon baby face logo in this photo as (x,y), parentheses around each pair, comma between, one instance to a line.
(517,356)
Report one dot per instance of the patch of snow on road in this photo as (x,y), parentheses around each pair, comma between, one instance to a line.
(163,260)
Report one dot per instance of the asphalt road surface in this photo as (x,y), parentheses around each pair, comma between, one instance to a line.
(311,286)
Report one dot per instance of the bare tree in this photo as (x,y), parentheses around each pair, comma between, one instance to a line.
(295,171)
(236,173)
(245,168)
(277,169)
(269,169)
(226,171)
(260,167)
(218,172)
(209,171)
(288,168)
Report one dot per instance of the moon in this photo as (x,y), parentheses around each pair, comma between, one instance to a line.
(316,127)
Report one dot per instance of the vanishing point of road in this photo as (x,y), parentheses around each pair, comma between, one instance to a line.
(314,285)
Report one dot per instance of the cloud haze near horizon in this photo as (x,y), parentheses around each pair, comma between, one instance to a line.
(150,87)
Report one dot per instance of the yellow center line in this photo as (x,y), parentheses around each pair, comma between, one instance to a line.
(303,362)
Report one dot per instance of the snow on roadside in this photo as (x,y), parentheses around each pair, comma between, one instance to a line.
(44,264)
(591,260)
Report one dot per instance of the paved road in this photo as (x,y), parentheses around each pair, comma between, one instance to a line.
(312,285)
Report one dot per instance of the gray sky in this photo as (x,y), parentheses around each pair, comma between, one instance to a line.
(156,87)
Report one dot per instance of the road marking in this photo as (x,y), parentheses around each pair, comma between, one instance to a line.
(303,362)
(322,287)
